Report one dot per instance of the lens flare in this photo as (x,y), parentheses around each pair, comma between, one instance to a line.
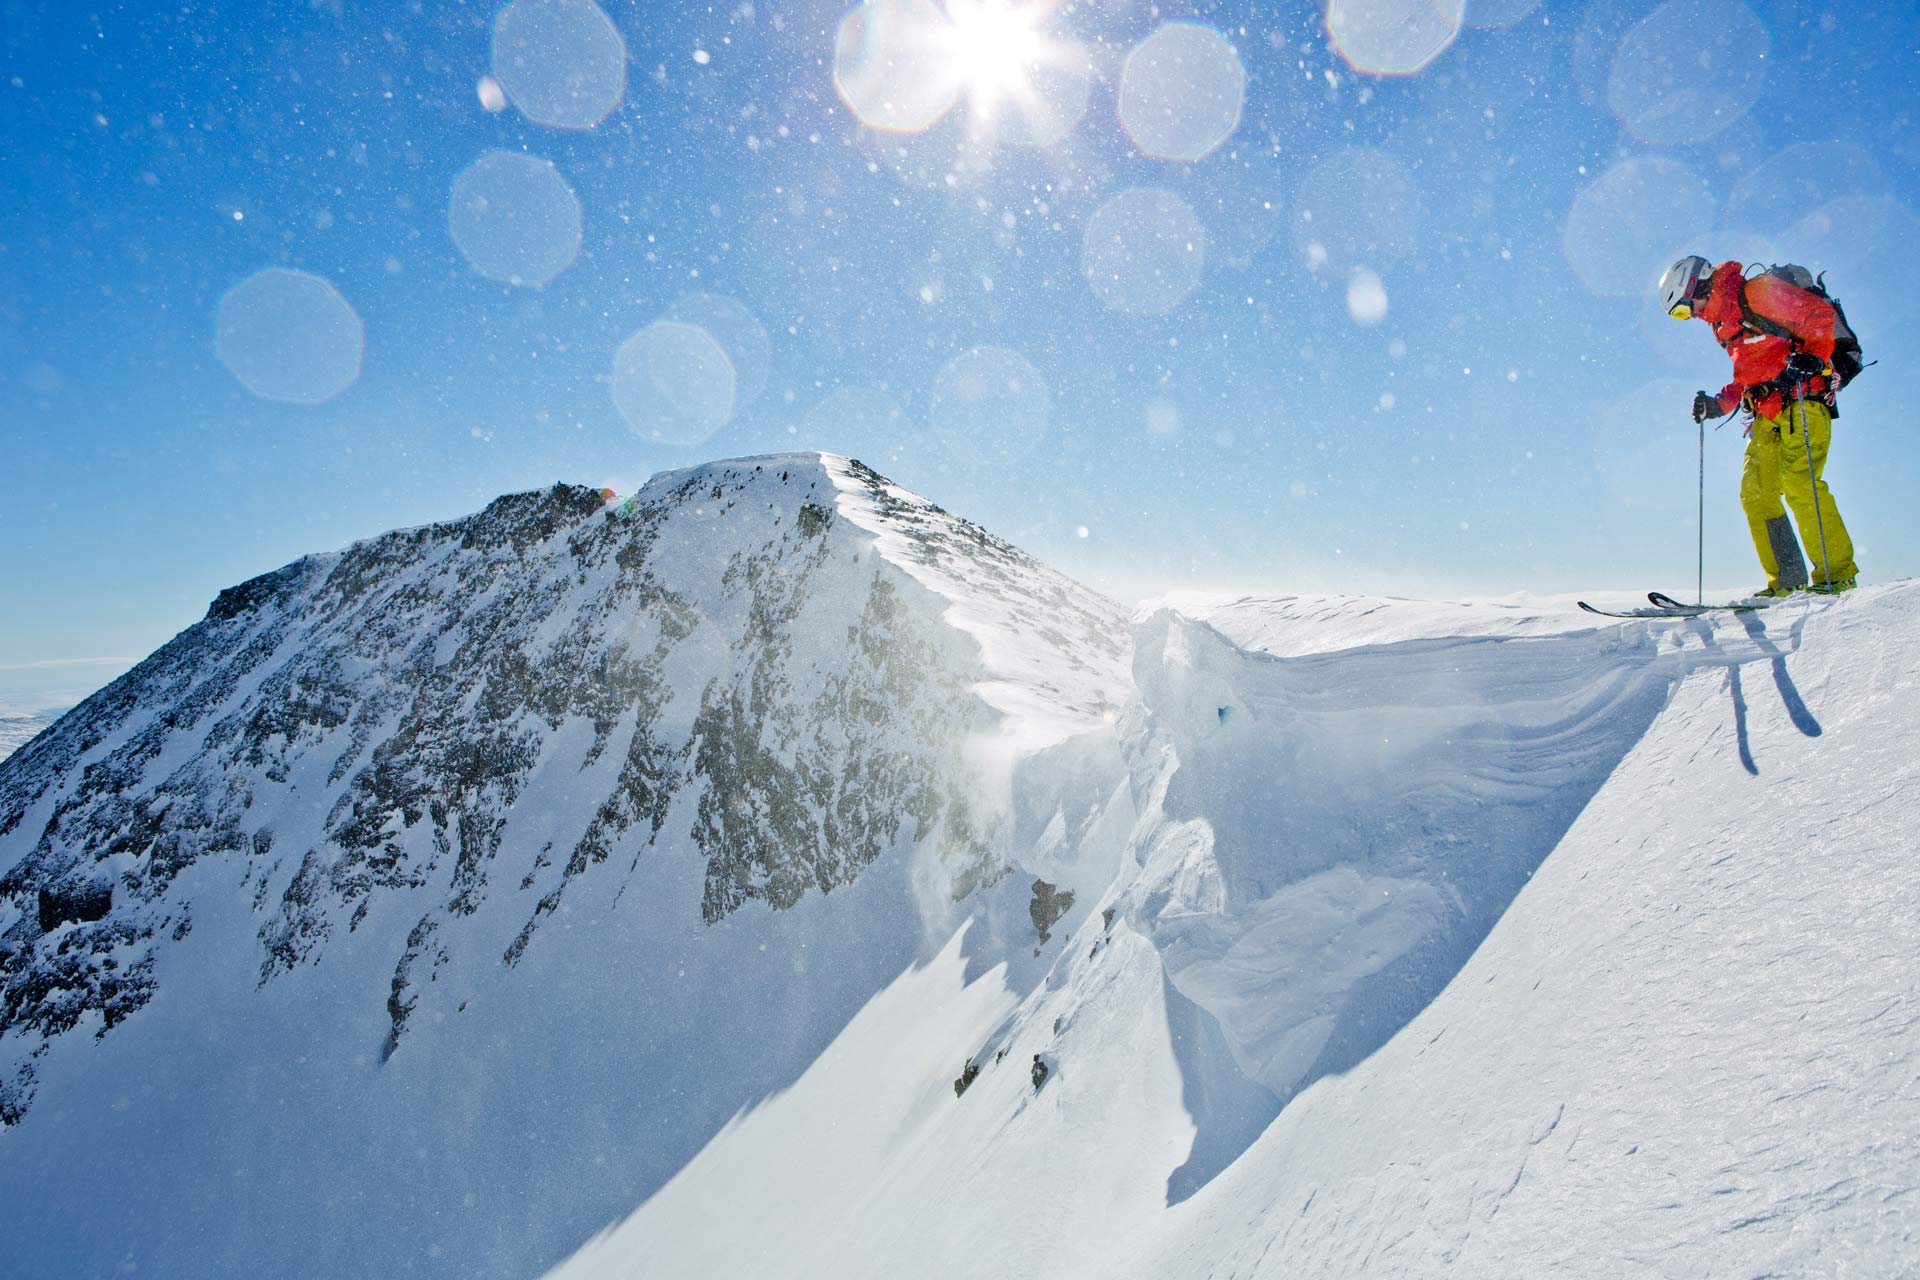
(1687,71)
(1143,252)
(1779,191)
(674,383)
(739,333)
(290,336)
(902,65)
(1633,220)
(1181,92)
(1865,243)
(989,408)
(515,219)
(1393,37)
(561,62)
(888,66)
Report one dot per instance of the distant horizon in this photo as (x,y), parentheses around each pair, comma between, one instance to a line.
(34,686)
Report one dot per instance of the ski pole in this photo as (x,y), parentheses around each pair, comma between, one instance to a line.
(1700,520)
(1813,482)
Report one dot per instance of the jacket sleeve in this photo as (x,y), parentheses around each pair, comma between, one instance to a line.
(1807,316)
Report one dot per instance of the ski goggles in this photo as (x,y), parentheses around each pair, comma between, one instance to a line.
(1682,311)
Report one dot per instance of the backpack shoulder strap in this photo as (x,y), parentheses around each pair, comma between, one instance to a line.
(1757,322)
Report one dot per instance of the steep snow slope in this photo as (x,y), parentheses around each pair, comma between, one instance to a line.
(1693,1045)
(431,902)
(1687,1043)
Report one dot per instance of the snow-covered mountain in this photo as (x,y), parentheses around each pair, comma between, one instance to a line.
(429,903)
(793,879)
(1686,1043)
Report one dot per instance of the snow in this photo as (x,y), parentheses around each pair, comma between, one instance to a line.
(1674,1028)
(1010,607)
(1295,624)
(529,1099)
(1405,938)
(1691,1045)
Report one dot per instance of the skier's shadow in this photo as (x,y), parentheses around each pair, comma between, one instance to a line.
(1796,706)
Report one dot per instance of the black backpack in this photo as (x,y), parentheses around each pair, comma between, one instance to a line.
(1847,362)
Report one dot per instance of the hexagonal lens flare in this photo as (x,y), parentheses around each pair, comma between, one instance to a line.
(561,62)
(1181,92)
(287,335)
(1393,37)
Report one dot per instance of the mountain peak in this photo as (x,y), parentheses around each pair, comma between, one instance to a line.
(775,670)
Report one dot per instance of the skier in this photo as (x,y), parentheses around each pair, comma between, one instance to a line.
(1781,338)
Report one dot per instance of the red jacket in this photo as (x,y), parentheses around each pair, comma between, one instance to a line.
(1759,359)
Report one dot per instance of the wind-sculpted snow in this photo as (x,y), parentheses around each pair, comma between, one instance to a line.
(1690,1045)
(1301,1034)
(1331,835)
(1290,626)
(1058,655)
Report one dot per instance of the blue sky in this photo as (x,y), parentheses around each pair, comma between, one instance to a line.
(1411,348)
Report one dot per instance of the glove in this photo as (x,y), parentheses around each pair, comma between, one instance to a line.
(1706,406)
(1804,364)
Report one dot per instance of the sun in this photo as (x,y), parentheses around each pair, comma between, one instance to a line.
(902,65)
(993,48)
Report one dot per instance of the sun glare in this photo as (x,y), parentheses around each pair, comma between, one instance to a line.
(994,46)
(902,65)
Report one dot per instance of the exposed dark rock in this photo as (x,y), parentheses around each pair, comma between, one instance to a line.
(1106,931)
(1050,902)
(254,592)
(803,795)
(1040,1072)
(814,519)
(61,904)
(968,1074)
(402,997)
(392,704)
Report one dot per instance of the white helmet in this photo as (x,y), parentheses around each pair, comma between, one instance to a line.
(1680,287)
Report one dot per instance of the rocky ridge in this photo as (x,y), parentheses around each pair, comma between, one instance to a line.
(484,711)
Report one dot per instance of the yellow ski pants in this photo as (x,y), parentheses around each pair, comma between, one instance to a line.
(1776,467)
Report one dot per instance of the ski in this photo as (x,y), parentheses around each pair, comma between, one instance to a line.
(1665,606)
(1684,611)
(1662,600)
